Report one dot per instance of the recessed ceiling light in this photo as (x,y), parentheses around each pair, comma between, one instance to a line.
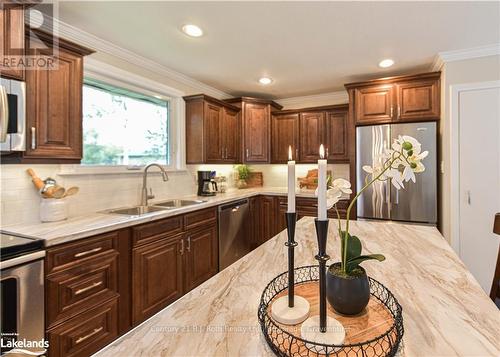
(386,63)
(192,30)
(265,80)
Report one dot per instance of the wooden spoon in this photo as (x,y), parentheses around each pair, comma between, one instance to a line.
(37,181)
(71,191)
(54,192)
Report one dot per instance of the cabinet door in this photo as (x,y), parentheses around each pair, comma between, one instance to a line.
(230,135)
(267,218)
(336,136)
(418,100)
(12,40)
(374,104)
(201,249)
(311,135)
(256,132)
(213,129)
(157,276)
(285,132)
(54,109)
(253,223)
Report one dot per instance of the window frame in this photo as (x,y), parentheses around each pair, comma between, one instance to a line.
(118,77)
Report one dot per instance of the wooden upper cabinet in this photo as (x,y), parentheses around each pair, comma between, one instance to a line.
(230,135)
(12,40)
(336,142)
(285,133)
(311,135)
(374,104)
(54,104)
(405,98)
(255,128)
(418,100)
(256,132)
(212,131)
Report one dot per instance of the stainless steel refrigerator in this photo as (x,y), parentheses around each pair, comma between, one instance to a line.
(418,201)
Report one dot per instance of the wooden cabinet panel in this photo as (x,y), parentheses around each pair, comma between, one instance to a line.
(285,133)
(157,276)
(230,135)
(256,132)
(201,255)
(68,255)
(85,334)
(418,100)
(12,40)
(148,232)
(213,129)
(268,224)
(374,104)
(81,287)
(311,135)
(199,219)
(253,224)
(336,144)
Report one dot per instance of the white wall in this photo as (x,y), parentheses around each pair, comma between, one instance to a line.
(458,72)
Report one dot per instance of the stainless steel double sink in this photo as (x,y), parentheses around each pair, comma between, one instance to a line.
(155,207)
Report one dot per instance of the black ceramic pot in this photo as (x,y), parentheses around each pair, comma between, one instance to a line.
(347,295)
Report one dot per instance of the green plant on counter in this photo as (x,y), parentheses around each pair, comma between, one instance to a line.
(243,172)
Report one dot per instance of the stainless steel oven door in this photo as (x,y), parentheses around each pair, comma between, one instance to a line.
(12,115)
(22,303)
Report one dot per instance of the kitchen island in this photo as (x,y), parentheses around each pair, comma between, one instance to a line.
(446,313)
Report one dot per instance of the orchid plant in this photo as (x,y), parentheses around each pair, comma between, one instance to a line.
(399,165)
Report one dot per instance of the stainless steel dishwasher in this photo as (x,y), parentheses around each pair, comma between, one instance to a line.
(233,236)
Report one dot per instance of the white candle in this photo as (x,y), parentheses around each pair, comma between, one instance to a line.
(322,185)
(291,182)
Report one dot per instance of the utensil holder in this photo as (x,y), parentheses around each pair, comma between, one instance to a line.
(53,209)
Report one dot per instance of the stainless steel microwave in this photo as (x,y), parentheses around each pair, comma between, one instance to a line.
(12,115)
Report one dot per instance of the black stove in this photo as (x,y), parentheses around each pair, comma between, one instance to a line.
(12,246)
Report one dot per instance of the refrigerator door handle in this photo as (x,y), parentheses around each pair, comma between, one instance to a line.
(396,202)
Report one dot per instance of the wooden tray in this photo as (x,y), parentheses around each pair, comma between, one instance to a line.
(374,321)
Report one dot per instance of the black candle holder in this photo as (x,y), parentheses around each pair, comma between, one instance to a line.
(322,258)
(291,219)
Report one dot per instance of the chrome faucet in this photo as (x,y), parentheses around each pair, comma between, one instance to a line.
(145,196)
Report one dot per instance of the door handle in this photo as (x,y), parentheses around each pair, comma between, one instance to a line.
(235,209)
(83,338)
(247,153)
(468,197)
(87,288)
(297,154)
(188,244)
(399,111)
(397,197)
(392,111)
(327,153)
(387,192)
(87,252)
(181,252)
(33,138)
(4,113)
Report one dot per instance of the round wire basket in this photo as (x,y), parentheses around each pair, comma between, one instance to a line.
(286,341)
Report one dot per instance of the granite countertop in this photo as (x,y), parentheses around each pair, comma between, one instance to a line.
(446,313)
(54,233)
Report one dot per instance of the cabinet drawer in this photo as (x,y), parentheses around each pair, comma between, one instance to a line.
(78,288)
(155,230)
(68,254)
(200,218)
(86,333)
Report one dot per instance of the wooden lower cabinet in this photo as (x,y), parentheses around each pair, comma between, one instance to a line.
(156,277)
(201,255)
(87,333)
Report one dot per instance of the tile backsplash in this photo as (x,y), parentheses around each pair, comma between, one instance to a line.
(20,201)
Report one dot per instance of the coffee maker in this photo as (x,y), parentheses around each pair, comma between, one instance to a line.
(206,184)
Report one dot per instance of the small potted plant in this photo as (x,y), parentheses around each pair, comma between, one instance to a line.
(348,289)
(243,175)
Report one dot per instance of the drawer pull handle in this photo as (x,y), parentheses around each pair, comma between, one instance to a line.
(188,244)
(87,288)
(83,338)
(87,252)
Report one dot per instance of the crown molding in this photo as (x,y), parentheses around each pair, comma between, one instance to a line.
(86,39)
(339,97)
(463,54)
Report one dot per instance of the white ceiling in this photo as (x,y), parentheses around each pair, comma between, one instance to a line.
(306,47)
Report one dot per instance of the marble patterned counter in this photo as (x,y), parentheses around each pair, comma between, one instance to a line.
(446,313)
(54,233)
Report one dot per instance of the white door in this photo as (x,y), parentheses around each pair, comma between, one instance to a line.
(479,180)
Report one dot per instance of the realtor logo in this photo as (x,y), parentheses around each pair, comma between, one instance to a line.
(40,46)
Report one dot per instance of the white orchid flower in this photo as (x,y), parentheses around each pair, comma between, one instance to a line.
(334,193)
